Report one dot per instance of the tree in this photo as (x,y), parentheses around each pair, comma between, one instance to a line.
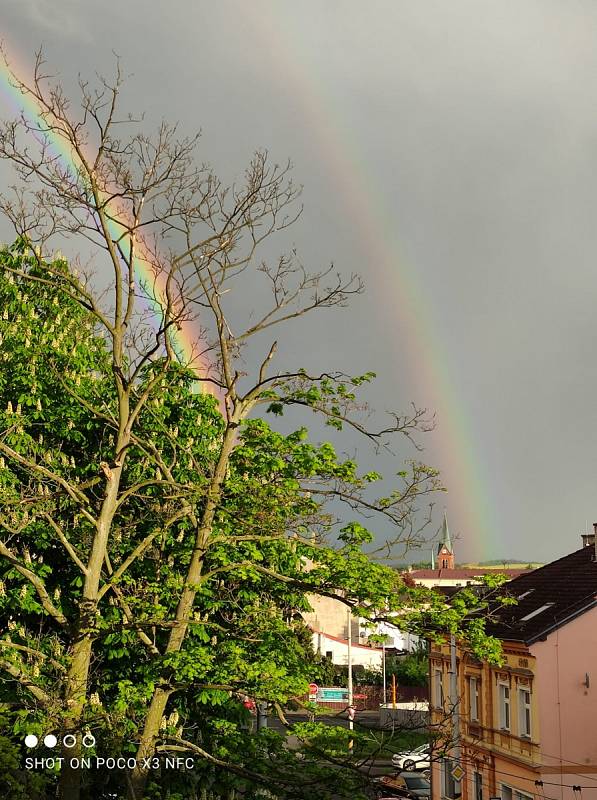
(410,670)
(158,543)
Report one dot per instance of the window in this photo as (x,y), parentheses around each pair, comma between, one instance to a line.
(473,699)
(537,611)
(508,793)
(505,792)
(524,712)
(478,786)
(438,689)
(504,702)
(450,788)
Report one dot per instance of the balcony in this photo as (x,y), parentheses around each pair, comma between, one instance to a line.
(474,730)
(520,747)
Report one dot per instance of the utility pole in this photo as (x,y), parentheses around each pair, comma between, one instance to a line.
(261,715)
(350,697)
(383,663)
(455,704)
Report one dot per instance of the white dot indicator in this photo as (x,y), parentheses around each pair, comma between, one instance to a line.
(69,740)
(31,740)
(50,740)
(88,740)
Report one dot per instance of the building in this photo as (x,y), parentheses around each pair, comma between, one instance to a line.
(336,649)
(460,576)
(528,728)
(445,551)
(328,621)
(446,574)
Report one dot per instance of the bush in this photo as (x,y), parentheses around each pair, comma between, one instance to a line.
(15,782)
(410,670)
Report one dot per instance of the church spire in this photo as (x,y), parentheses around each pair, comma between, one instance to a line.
(446,540)
(445,553)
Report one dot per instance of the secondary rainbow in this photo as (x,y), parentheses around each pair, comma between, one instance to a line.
(184,339)
(464,472)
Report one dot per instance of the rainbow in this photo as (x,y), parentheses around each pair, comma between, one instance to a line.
(183,338)
(463,469)
(464,472)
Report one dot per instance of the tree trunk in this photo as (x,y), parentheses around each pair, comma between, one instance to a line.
(70,777)
(78,673)
(160,697)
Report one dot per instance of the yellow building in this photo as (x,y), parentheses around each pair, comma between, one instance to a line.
(499,725)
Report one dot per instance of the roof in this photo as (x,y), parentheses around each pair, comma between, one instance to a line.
(446,540)
(476,572)
(549,597)
(448,591)
(345,641)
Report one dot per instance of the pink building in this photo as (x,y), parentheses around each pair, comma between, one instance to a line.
(528,728)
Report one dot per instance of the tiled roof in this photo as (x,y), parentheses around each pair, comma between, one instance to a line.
(345,641)
(549,597)
(462,574)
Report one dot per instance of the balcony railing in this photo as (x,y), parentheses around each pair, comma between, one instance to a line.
(520,746)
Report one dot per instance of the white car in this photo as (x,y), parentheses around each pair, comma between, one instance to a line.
(418,759)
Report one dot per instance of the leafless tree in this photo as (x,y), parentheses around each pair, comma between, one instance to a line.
(142,205)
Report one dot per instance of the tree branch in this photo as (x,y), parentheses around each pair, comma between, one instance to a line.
(37,583)
(43,699)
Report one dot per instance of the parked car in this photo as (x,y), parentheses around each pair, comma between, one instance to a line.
(417,785)
(249,704)
(410,785)
(419,758)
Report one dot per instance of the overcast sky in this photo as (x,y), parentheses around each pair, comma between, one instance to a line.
(448,151)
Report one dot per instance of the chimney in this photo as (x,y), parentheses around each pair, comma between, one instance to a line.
(590,539)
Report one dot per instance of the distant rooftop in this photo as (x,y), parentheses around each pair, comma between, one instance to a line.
(464,573)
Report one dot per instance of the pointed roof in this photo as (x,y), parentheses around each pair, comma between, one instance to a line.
(446,540)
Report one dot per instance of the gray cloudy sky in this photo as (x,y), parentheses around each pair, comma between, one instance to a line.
(448,150)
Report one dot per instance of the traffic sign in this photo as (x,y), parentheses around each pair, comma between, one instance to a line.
(457,773)
(333,694)
(313,688)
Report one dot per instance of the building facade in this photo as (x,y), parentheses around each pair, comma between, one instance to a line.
(329,620)
(336,649)
(527,729)
(499,725)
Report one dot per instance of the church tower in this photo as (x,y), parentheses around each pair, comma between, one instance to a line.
(445,552)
